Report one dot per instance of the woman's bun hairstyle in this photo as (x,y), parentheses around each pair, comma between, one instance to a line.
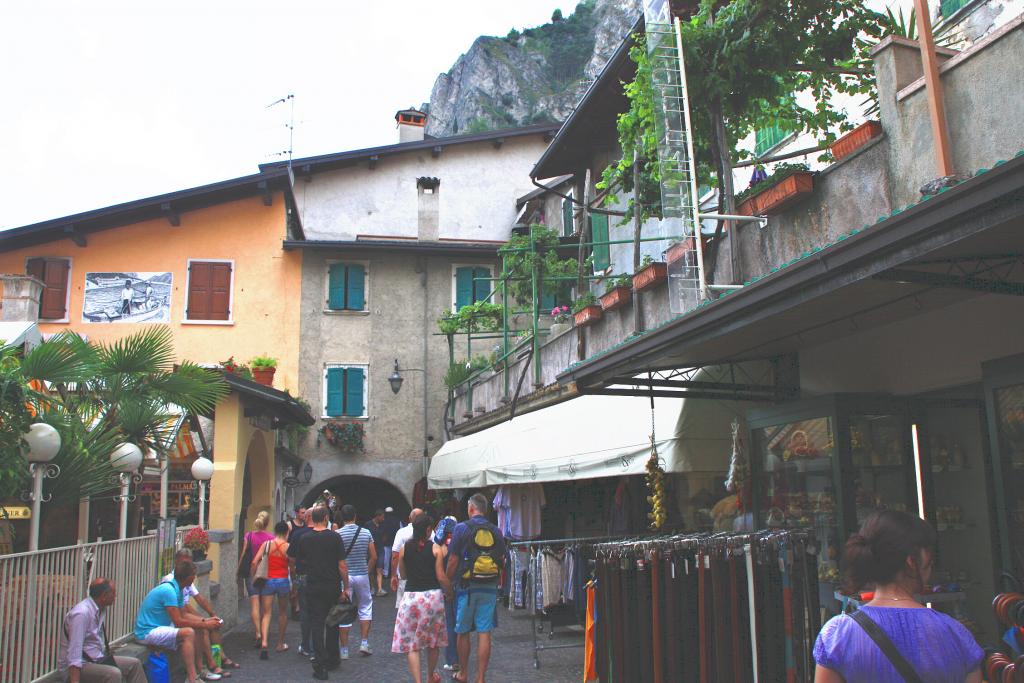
(878,553)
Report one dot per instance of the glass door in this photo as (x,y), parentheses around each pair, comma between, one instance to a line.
(1009,417)
(881,465)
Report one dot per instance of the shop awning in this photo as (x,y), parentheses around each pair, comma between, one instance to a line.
(20,333)
(587,437)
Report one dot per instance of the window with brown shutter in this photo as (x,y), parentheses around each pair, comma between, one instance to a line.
(209,290)
(53,304)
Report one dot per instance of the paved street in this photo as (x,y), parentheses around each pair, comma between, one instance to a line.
(511,660)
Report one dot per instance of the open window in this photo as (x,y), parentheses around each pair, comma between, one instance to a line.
(55,274)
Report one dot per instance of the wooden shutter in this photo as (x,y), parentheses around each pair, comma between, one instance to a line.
(336,287)
(199,288)
(463,287)
(54,275)
(354,391)
(567,227)
(356,282)
(220,291)
(335,391)
(599,233)
(547,302)
(481,288)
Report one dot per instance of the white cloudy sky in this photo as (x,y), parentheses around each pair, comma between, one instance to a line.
(104,101)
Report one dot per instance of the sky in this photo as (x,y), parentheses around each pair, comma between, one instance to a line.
(106,101)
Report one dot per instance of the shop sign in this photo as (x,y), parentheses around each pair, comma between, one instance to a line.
(16,512)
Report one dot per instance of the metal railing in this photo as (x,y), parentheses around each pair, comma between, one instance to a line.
(38,588)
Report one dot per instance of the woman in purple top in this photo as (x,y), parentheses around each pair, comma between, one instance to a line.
(894,552)
(251,544)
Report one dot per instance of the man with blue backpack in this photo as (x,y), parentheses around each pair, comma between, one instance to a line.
(475,558)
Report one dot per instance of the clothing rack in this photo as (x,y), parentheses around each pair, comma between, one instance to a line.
(535,614)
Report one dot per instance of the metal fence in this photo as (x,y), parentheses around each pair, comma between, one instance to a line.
(38,588)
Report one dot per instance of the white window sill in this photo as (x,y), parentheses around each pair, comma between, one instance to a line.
(344,311)
(55,321)
(360,418)
(208,322)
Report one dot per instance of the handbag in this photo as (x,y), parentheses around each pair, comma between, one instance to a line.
(902,666)
(261,569)
(342,614)
(244,566)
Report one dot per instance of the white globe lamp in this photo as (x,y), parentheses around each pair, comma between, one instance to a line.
(202,469)
(126,458)
(43,442)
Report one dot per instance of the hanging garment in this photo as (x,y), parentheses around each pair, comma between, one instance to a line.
(590,637)
(552,569)
(538,583)
(518,507)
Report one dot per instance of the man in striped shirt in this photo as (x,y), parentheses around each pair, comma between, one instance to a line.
(361,554)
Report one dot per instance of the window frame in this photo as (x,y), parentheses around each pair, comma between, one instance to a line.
(455,285)
(67,288)
(185,320)
(327,287)
(365,367)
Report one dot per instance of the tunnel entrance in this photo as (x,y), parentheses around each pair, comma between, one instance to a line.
(366,493)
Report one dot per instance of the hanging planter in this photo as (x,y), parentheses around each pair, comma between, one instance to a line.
(348,436)
(784,188)
(651,275)
(855,139)
(679,251)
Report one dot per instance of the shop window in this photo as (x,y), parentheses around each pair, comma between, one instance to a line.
(949,7)
(54,274)
(599,234)
(346,287)
(471,285)
(345,391)
(209,291)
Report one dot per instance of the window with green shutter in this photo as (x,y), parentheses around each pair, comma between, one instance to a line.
(346,287)
(568,229)
(949,7)
(766,138)
(345,391)
(472,284)
(599,234)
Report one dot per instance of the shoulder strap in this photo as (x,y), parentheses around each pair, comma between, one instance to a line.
(876,634)
(352,543)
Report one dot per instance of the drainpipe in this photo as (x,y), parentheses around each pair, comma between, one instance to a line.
(933,86)
(424,263)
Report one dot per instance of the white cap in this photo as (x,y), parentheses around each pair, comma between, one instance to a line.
(389,509)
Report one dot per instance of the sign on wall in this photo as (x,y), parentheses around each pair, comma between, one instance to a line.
(127,297)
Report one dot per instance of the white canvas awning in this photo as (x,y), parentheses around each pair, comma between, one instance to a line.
(19,334)
(587,437)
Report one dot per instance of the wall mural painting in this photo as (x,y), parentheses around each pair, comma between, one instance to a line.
(128,297)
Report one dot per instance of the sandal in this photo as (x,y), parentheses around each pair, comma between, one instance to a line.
(435,677)
(230,663)
(283,647)
(455,677)
(264,654)
(220,672)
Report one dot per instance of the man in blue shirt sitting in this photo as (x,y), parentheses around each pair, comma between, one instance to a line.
(164,623)
(475,557)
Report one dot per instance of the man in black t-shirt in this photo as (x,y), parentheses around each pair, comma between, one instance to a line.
(302,526)
(321,554)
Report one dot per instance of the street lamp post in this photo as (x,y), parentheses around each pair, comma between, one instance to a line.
(395,379)
(43,444)
(202,472)
(126,459)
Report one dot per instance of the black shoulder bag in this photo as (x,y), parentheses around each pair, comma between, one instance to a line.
(902,666)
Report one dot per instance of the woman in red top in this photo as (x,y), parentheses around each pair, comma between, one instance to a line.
(277,584)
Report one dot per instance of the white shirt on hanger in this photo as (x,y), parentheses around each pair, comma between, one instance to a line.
(518,507)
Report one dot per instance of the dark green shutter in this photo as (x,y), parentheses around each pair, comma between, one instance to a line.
(463,287)
(356,287)
(567,227)
(482,287)
(547,301)
(335,391)
(949,7)
(336,287)
(599,233)
(354,392)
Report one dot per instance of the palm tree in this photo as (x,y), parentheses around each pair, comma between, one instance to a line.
(97,396)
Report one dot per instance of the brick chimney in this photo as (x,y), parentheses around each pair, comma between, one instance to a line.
(19,298)
(411,124)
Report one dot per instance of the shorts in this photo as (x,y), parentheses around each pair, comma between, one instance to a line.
(163,637)
(384,560)
(279,587)
(250,589)
(476,609)
(362,597)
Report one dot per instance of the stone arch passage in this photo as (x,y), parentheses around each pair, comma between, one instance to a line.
(366,493)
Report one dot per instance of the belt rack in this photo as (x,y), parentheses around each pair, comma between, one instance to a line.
(536,627)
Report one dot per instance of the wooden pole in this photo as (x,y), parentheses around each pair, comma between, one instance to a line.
(933,86)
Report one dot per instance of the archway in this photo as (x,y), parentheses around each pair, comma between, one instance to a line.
(257,484)
(366,493)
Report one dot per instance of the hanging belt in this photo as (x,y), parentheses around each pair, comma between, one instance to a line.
(701,611)
(644,621)
(751,602)
(787,614)
(734,611)
(656,623)
(720,618)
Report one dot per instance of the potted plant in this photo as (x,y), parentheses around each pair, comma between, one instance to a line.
(456,374)
(348,436)
(651,274)
(263,369)
(855,139)
(561,321)
(586,310)
(235,368)
(618,292)
(787,185)
(197,541)
(679,250)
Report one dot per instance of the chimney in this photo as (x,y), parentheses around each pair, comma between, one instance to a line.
(411,124)
(19,298)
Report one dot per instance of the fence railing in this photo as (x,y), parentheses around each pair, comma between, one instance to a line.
(38,588)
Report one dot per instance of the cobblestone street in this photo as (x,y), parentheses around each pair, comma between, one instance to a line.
(511,659)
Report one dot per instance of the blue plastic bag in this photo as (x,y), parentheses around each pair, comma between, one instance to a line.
(158,670)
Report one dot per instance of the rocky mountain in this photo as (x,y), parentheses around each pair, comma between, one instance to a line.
(532,76)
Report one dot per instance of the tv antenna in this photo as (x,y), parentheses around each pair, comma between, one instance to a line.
(289,100)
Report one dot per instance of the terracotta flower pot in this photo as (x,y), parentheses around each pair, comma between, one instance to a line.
(855,139)
(780,196)
(588,316)
(650,276)
(679,251)
(616,298)
(264,376)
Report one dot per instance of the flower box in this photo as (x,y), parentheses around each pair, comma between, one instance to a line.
(650,276)
(587,316)
(617,297)
(348,436)
(679,251)
(855,139)
(779,196)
